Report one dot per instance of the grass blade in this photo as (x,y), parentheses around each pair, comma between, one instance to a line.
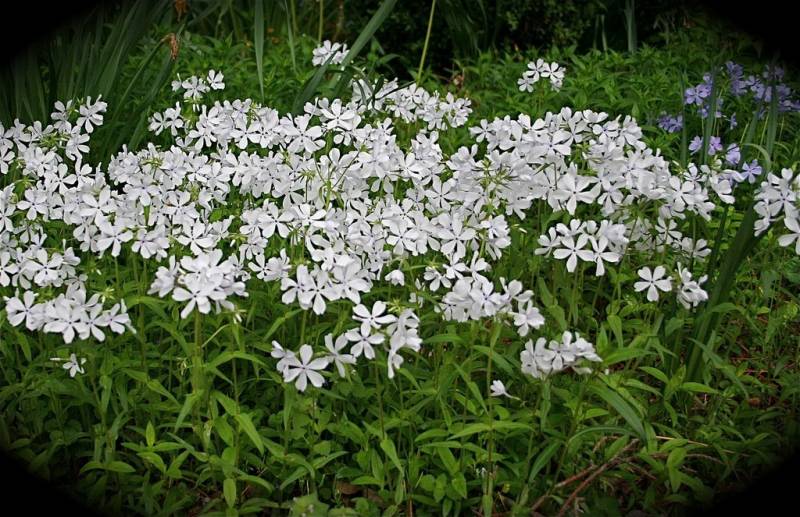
(258,44)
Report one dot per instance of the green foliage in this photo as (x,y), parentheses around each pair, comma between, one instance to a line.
(189,417)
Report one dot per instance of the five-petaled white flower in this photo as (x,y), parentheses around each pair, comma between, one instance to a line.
(73,364)
(653,281)
(302,369)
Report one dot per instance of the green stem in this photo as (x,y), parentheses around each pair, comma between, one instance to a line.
(488,500)
(425,45)
(321,18)
(197,365)
(380,398)
(293,10)
(572,428)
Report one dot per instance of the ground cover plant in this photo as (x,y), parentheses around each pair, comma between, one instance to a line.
(559,282)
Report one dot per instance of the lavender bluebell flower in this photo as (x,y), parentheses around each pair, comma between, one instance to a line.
(714,145)
(733,154)
(670,124)
(693,96)
(695,144)
(750,172)
(736,77)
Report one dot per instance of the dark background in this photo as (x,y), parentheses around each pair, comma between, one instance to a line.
(771,21)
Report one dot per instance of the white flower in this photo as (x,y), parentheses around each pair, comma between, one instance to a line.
(215,80)
(528,317)
(336,356)
(653,281)
(283,356)
(545,358)
(572,250)
(72,364)
(363,341)
(374,318)
(498,389)
(335,51)
(396,277)
(690,294)
(793,225)
(303,369)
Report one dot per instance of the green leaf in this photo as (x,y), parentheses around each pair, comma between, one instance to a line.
(615,324)
(227,403)
(191,400)
(150,434)
(387,445)
(560,316)
(542,458)
(366,480)
(478,427)
(624,354)
(620,406)
(257,481)
(697,387)
(228,355)
(674,461)
(444,338)
(459,484)
(655,372)
(250,430)
(155,459)
(119,466)
(229,490)
(672,325)
(448,459)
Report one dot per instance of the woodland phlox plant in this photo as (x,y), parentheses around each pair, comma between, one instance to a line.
(331,207)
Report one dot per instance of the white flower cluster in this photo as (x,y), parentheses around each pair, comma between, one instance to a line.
(336,52)
(195,87)
(690,294)
(328,204)
(778,196)
(585,240)
(412,103)
(545,358)
(55,191)
(70,314)
(376,326)
(200,280)
(541,69)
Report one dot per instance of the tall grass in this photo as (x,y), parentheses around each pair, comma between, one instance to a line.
(85,58)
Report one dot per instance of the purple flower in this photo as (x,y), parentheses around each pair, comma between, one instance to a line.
(738,87)
(692,96)
(734,69)
(695,144)
(670,124)
(750,171)
(732,121)
(760,91)
(714,145)
(703,110)
(733,154)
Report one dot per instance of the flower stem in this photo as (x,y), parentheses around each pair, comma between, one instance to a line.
(427,39)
